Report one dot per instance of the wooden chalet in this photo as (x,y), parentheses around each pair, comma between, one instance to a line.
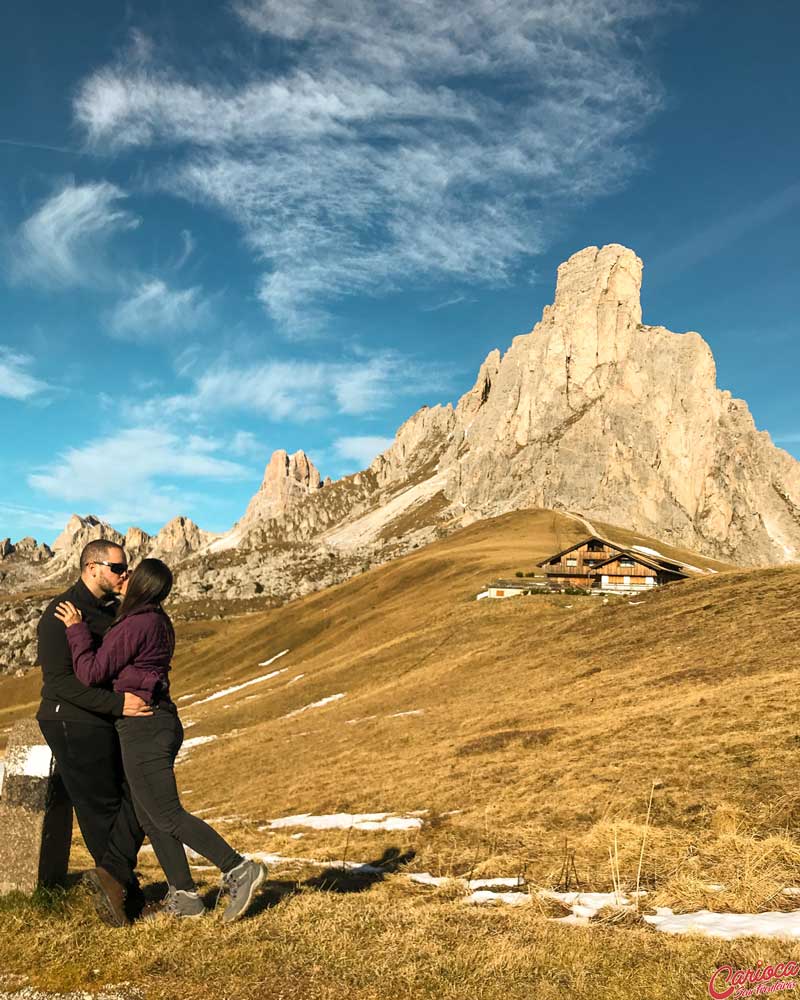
(598,564)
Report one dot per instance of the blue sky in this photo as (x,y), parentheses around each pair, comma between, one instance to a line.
(291,225)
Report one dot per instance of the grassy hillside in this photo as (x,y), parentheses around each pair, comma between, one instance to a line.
(541,727)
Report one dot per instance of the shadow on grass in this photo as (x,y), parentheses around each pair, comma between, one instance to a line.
(335,878)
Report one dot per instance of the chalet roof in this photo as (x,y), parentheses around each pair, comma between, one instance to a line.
(658,563)
(577,545)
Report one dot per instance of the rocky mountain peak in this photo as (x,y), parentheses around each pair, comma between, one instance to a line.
(178,539)
(288,479)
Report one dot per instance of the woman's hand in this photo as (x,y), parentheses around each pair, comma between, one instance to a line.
(68,614)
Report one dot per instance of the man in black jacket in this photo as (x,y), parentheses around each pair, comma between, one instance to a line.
(78,724)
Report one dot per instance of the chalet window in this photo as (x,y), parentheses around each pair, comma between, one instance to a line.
(626,562)
(596,546)
(572,562)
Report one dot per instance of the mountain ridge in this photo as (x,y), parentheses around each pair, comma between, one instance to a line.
(591,411)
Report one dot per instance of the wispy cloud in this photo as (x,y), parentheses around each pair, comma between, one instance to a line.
(16,518)
(298,390)
(62,243)
(406,142)
(155,309)
(721,233)
(188,247)
(361,449)
(16,381)
(129,476)
(246,444)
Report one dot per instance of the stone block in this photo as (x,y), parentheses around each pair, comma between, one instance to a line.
(35,814)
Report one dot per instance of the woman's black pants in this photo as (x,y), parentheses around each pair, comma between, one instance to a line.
(150,745)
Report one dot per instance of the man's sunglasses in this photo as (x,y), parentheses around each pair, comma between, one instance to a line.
(117,568)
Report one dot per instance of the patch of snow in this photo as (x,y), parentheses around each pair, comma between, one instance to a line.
(294,680)
(366,718)
(482,883)
(414,711)
(727,925)
(195,741)
(425,878)
(239,687)
(347,821)
(315,704)
(277,656)
(186,697)
(648,552)
(635,603)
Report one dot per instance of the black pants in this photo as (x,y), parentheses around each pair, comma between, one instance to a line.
(89,762)
(150,745)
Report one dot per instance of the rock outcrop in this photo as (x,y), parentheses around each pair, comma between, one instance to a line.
(594,411)
(177,540)
(288,479)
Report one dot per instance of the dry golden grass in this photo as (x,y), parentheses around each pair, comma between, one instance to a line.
(546,721)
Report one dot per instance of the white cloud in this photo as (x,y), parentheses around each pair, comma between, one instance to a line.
(62,244)
(245,443)
(419,142)
(16,382)
(361,449)
(154,309)
(129,476)
(296,390)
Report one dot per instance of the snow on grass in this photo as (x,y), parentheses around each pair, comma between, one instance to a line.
(239,687)
(648,552)
(315,704)
(727,925)
(294,680)
(348,821)
(354,722)
(414,711)
(277,656)
(195,741)
(186,697)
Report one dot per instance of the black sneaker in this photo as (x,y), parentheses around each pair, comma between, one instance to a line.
(241,883)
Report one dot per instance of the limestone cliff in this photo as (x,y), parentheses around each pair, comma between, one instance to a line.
(594,411)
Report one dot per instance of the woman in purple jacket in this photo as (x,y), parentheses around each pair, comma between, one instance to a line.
(136,655)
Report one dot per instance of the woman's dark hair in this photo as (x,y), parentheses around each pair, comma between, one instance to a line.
(150,583)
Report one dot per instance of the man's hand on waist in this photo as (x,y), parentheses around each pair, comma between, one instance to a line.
(134,705)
